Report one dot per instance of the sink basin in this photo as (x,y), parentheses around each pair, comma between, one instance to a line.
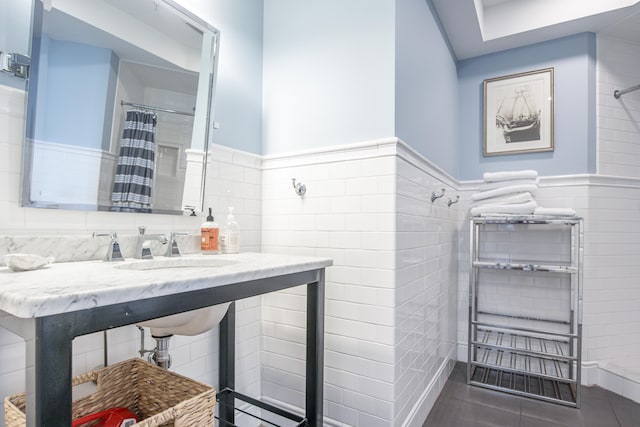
(157,263)
(192,322)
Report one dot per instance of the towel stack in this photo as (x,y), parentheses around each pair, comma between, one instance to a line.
(506,193)
(511,193)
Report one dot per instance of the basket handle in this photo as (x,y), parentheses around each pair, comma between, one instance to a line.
(85,378)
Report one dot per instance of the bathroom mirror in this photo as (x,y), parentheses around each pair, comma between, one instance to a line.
(119,106)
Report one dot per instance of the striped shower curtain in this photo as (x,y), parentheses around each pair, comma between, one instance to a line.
(134,174)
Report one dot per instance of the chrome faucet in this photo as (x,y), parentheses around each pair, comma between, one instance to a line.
(142,251)
(113,253)
(173,249)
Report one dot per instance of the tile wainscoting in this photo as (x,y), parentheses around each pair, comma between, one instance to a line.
(391,294)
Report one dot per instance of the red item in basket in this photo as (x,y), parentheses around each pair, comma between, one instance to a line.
(114,417)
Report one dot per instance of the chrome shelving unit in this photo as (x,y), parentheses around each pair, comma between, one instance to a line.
(518,349)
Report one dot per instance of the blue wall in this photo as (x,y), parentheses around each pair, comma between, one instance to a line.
(78,94)
(329,73)
(573,59)
(238,103)
(426,115)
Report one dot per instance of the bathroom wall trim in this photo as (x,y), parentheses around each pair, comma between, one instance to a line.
(397,147)
(355,151)
(360,150)
(570,181)
(407,153)
(427,399)
(226,154)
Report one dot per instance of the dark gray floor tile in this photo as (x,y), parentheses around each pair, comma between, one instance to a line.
(534,422)
(445,412)
(473,414)
(460,405)
(551,412)
(594,393)
(483,396)
(597,411)
(459,374)
(626,411)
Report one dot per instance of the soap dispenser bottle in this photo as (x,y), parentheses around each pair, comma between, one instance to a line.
(209,234)
(230,240)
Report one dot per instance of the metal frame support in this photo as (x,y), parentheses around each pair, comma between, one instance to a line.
(314,358)
(315,351)
(227,363)
(49,340)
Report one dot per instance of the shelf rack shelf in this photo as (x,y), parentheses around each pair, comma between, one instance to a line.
(533,355)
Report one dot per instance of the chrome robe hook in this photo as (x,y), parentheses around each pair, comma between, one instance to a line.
(299,187)
(435,196)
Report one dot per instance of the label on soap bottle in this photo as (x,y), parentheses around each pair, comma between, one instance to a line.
(209,239)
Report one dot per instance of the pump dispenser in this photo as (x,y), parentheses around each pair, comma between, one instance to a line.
(230,235)
(209,233)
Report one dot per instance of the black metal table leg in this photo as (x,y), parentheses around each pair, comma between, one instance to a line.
(315,351)
(227,364)
(48,373)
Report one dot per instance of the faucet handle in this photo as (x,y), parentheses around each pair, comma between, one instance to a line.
(172,248)
(142,229)
(113,252)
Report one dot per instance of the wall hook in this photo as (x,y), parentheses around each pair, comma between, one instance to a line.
(453,202)
(435,196)
(299,187)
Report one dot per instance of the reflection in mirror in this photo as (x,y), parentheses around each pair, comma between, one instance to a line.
(119,106)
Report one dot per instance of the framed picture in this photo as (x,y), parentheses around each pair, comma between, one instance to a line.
(518,113)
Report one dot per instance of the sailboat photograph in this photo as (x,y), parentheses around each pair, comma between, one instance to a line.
(519,119)
(519,113)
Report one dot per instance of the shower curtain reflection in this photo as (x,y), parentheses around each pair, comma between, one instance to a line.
(133,182)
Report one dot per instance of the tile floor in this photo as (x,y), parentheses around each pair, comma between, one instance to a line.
(460,405)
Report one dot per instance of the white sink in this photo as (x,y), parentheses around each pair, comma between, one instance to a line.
(180,262)
(192,322)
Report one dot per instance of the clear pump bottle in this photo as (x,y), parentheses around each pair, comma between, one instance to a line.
(230,239)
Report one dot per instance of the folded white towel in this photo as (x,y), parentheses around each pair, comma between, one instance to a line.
(555,211)
(497,184)
(510,189)
(509,175)
(506,200)
(498,209)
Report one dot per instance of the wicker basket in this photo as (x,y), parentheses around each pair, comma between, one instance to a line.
(156,396)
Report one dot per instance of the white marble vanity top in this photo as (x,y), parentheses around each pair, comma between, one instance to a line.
(65,287)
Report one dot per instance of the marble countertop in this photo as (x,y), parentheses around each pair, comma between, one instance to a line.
(71,286)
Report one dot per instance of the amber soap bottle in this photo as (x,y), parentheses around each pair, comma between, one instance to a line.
(209,236)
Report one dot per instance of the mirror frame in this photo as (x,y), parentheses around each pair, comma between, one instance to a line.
(31,96)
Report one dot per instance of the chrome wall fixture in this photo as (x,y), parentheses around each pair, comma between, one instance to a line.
(453,202)
(435,196)
(618,93)
(15,64)
(299,187)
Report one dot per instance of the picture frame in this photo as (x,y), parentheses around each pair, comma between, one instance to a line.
(518,113)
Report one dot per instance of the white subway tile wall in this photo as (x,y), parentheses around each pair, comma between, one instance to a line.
(612,297)
(612,243)
(618,122)
(233,179)
(389,330)
(426,286)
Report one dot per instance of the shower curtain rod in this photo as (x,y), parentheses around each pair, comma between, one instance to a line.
(150,107)
(618,93)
